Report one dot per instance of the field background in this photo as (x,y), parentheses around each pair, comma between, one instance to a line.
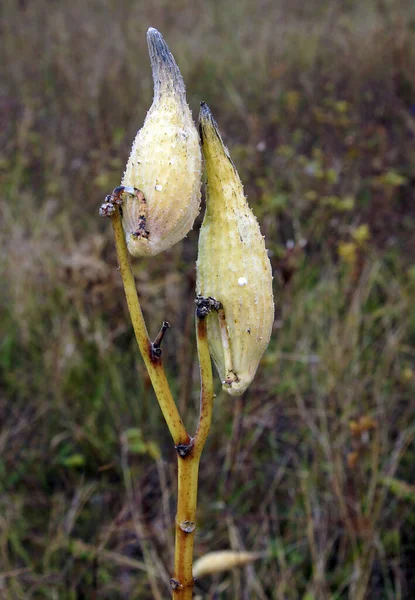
(316,464)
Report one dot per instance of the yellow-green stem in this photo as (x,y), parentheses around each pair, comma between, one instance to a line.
(188,468)
(206,391)
(154,365)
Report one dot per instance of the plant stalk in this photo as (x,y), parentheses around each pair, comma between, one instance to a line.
(189,449)
(188,469)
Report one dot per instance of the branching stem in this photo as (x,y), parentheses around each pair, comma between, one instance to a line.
(189,449)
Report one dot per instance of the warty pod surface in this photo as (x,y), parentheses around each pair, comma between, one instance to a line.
(165,163)
(233,268)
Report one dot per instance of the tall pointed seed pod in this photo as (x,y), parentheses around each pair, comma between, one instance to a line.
(164,164)
(232,268)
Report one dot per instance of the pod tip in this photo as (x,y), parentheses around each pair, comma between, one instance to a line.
(204,109)
(153,31)
(166,74)
(205,114)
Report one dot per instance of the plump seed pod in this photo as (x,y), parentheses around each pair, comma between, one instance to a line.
(164,164)
(232,267)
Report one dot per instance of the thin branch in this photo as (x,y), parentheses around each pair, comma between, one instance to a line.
(206,392)
(153,363)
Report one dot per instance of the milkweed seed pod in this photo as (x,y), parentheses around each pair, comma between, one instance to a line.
(165,163)
(233,268)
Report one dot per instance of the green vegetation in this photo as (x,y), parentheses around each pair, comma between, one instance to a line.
(316,102)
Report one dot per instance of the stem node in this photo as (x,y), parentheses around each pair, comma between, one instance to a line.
(184,450)
(175,584)
(188,526)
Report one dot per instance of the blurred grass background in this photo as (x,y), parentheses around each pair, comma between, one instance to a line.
(315,465)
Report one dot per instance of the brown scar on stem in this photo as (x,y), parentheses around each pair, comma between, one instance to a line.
(175,584)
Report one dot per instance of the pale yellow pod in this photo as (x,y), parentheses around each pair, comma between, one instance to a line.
(165,163)
(223,560)
(232,267)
